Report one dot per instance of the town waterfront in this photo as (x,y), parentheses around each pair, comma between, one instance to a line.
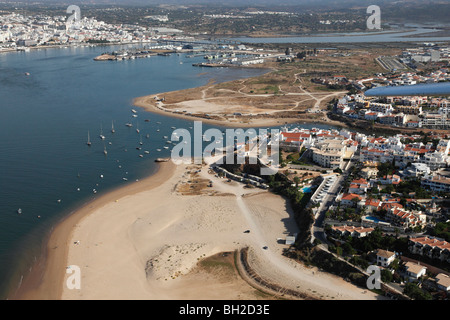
(50,100)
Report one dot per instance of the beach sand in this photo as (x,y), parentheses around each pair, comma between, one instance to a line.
(145,241)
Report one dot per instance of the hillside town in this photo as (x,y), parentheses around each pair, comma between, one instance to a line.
(393,186)
(18,31)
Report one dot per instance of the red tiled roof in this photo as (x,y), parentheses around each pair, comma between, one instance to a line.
(350,196)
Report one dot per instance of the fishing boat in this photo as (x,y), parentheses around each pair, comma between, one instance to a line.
(88,140)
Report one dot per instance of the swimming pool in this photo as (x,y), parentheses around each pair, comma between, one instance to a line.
(306,190)
(374,219)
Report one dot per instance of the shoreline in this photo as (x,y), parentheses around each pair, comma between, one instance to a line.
(46,279)
(41,283)
(142,102)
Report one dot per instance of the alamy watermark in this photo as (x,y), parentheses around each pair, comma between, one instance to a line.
(72,20)
(74,280)
(233,146)
(374,280)
(374,20)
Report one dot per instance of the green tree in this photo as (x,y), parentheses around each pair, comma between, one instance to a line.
(413,291)
(386,276)
(297,181)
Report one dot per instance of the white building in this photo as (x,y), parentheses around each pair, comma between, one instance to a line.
(329,153)
(384,258)
(414,271)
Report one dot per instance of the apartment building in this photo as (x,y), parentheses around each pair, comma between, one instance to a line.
(436,183)
(431,247)
(329,153)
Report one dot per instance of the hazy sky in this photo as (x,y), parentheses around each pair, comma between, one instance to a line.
(308,3)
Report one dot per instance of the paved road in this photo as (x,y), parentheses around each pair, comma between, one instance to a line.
(317,229)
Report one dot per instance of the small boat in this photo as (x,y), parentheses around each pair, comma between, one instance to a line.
(141,156)
(158,149)
(147,152)
(166,147)
(112,127)
(134,111)
(19,211)
(94,191)
(104,151)
(137,129)
(27,73)
(147,136)
(88,140)
(101,133)
(124,179)
(147,120)
(134,115)
(128,124)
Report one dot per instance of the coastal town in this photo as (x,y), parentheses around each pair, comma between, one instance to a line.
(375,200)
(357,183)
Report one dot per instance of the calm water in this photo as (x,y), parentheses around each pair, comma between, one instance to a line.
(411,35)
(46,168)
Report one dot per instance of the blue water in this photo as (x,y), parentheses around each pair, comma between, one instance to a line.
(44,120)
(306,190)
(407,35)
(374,219)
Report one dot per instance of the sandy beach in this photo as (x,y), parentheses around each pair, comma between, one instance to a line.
(145,241)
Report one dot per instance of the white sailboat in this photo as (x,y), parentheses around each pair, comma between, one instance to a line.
(88,140)
(101,133)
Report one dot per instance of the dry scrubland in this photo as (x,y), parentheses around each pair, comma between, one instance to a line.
(285,94)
